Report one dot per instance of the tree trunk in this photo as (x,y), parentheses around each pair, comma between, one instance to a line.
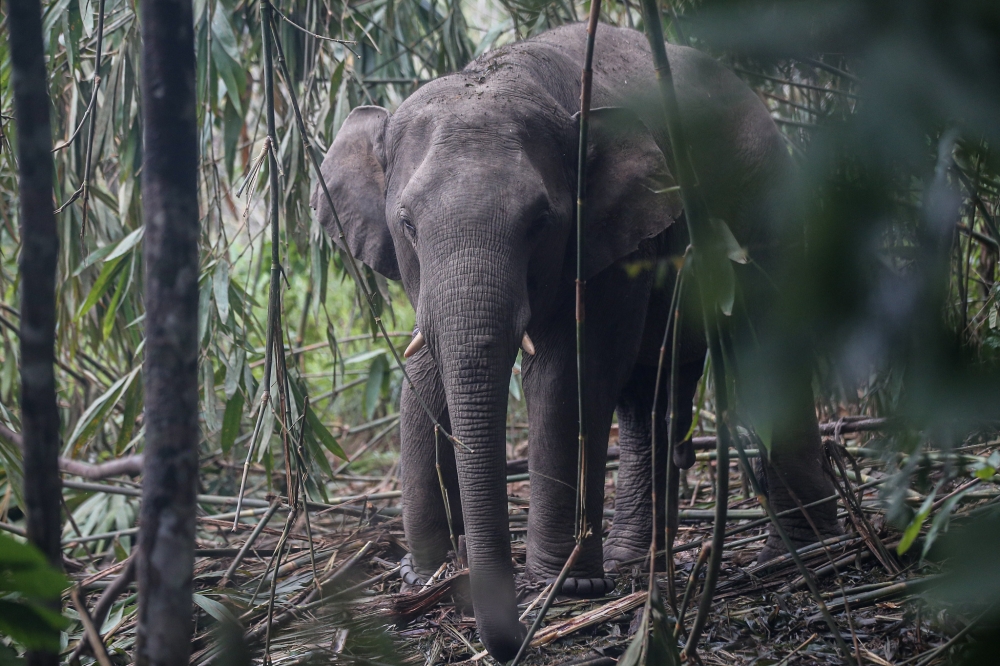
(39,255)
(170,214)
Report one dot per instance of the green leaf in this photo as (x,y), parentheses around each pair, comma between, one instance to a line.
(220,284)
(732,246)
(226,58)
(373,389)
(365,356)
(108,273)
(316,455)
(214,608)
(25,571)
(324,436)
(515,387)
(109,314)
(97,255)
(127,243)
(231,422)
(8,657)
(30,625)
(940,523)
(234,370)
(727,288)
(97,412)
(204,307)
(13,466)
(985,473)
(266,431)
(209,408)
(656,645)
(133,407)
(913,529)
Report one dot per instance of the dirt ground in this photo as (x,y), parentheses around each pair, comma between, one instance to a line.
(340,599)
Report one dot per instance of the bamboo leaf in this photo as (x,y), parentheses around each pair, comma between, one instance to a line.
(220,284)
(97,413)
(365,356)
(234,370)
(217,610)
(133,407)
(127,243)
(231,422)
(109,314)
(913,529)
(210,410)
(204,307)
(373,389)
(324,436)
(30,625)
(108,273)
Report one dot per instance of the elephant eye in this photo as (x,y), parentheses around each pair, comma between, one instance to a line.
(408,227)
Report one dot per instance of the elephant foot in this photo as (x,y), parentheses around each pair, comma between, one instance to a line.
(411,574)
(620,558)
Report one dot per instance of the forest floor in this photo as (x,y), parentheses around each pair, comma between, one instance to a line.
(338,598)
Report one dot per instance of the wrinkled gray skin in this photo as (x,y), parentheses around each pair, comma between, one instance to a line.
(467,194)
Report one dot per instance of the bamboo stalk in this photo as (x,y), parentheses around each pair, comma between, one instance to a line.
(225,500)
(586,84)
(85,186)
(275,504)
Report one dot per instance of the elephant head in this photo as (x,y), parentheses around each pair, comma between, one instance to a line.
(467,194)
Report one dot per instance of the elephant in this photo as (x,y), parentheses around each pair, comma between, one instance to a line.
(467,193)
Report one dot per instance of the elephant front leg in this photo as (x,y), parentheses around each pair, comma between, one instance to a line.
(428,522)
(550,388)
(632,530)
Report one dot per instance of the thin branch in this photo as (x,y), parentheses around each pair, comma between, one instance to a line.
(131,465)
(309,32)
(807,86)
(91,632)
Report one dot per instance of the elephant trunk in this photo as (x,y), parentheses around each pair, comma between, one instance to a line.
(474,333)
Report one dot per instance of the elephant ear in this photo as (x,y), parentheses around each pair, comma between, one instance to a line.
(354,173)
(629,188)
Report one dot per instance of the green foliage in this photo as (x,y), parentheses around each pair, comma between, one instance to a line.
(27,585)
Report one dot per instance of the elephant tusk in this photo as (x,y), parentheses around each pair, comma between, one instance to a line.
(416,344)
(527,345)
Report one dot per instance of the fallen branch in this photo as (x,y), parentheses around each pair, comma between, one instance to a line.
(131,465)
(857,601)
(604,613)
